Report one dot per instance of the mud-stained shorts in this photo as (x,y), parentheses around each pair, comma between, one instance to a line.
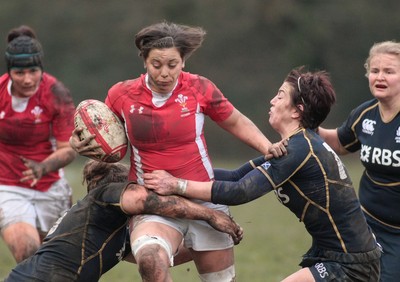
(197,234)
(40,209)
(328,265)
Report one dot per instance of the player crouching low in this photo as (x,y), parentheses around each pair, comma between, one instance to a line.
(92,237)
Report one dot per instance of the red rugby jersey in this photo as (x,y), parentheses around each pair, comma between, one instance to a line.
(32,132)
(169,137)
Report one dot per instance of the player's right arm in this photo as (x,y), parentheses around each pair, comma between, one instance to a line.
(252,186)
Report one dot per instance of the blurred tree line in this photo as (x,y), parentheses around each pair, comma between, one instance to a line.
(250,47)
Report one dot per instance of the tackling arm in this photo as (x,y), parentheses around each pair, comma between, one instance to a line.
(138,200)
(247,189)
(235,175)
(253,185)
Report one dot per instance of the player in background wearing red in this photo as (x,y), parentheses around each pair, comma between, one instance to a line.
(36,120)
(164,111)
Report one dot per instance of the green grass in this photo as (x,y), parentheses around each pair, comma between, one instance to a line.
(271,249)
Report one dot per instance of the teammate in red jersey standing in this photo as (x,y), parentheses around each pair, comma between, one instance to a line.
(36,120)
(164,112)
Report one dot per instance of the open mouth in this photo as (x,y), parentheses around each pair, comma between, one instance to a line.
(380,86)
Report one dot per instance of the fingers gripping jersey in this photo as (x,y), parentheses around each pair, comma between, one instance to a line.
(171,136)
(379,146)
(314,184)
(85,243)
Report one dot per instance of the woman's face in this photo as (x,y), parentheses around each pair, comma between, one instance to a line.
(283,116)
(384,77)
(163,68)
(25,81)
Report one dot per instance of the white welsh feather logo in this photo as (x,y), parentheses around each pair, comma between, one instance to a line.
(182,102)
(37,111)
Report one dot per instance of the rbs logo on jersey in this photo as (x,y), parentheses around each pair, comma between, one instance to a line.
(380,156)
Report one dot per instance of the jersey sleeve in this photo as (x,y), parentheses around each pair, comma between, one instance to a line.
(110,194)
(235,175)
(63,122)
(113,99)
(266,177)
(347,131)
(214,104)
(252,186)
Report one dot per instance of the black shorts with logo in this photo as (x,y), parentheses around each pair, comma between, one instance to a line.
(326,265)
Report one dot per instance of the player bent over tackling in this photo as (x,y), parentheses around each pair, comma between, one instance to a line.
(92,236)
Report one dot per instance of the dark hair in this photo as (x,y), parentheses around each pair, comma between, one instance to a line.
(186,39)
(97,173)
(23,49)
(19,31)
(315,92)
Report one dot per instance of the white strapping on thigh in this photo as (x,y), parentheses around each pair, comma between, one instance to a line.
(150,240)
(226,275)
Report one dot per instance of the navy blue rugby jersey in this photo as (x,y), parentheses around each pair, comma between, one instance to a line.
(86,242)
(314,184)
(379,146)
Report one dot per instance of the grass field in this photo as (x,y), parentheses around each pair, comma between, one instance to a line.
(271,249)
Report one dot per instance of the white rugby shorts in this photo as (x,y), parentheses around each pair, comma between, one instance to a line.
(40,209)
(197,234)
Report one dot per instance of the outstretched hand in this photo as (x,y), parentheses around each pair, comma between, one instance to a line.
(161,182)
(34,172)
(225,223)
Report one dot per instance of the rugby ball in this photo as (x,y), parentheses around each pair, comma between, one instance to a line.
(95,117)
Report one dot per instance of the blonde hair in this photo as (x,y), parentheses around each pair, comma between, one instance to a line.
(385,47)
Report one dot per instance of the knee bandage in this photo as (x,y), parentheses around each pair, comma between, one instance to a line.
(226,275)
(151,240)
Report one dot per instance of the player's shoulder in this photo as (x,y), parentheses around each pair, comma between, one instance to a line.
(52,84)
(194,79)
(198,84)
(48,78)
(109,193)
(366,106)
(299,136)
(300,142)
(4,78)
